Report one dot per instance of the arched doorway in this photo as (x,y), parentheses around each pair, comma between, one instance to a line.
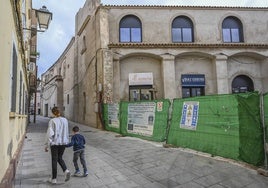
(242,84)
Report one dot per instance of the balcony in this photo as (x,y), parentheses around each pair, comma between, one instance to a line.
(34,56)
(32,83)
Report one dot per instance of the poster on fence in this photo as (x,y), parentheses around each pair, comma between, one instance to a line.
(113,111)
(189,115)
(141,118)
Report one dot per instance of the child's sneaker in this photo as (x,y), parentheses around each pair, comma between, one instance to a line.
(77,173)
(85,173)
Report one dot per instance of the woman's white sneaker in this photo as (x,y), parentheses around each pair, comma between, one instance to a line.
(52,181)
(67,175)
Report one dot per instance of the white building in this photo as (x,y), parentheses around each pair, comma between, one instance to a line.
(14,84)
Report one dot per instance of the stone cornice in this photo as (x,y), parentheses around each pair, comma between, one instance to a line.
(183,7)
(187,45)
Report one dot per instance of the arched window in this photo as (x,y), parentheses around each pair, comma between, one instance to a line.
(242,84)
(232,30)
(130,29)
(182,29)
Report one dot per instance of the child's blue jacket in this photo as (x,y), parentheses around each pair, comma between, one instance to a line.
(78,142)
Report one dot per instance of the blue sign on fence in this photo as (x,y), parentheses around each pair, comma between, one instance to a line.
(189,115)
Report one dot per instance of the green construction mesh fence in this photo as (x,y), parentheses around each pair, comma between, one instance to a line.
(221,125)
(111,117)
(251,148)
(265,117)
(265,102)
(146,120)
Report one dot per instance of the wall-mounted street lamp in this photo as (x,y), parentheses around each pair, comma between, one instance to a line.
(44,18)
(39,23)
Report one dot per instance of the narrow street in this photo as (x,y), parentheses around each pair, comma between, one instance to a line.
(125,162)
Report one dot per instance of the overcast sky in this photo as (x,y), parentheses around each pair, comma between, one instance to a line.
(53,42)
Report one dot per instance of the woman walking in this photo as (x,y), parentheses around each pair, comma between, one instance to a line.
(57,138)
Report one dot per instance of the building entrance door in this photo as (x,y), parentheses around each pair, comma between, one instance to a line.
(141,93)
(193,85)
(192,91)
(46,110)
(242,84)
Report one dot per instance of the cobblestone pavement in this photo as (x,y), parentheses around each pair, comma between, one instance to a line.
(125,162)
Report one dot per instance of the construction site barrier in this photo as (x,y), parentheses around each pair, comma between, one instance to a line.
(222,125)
(232,126)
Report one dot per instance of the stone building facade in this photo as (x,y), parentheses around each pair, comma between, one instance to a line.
(56,85)
(132,53)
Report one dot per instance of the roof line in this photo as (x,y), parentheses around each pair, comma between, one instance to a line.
(186,45)
(180,6)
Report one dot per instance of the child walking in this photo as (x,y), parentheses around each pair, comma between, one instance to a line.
(78,143)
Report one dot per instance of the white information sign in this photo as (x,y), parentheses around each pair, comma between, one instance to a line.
(113,120)
(141,118)
(189,115)
(159,106)
(140,78)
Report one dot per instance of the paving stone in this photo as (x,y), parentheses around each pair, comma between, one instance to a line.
(126,162)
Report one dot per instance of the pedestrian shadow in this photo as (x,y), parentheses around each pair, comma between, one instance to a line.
(57,184)
(81,176)
(35,182)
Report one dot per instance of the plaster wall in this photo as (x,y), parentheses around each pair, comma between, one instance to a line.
(264,68)
(207,23)
(49,99)
(51,89)
(244,65)
(68,82)
(88,62)
(194,64)
(140,64)
(92,41)
(12,124)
